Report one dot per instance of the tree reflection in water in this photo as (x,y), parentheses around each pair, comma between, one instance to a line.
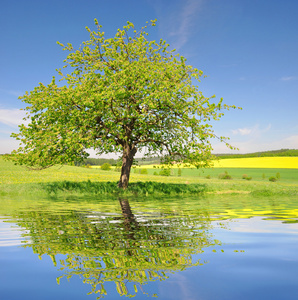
(127,249)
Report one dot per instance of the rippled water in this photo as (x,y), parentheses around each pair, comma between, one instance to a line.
(227,247)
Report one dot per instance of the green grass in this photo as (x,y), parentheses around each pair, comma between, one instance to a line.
(137,188)
(17,180)
(286,175)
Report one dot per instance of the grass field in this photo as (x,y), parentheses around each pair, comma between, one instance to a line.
(260,168)
(17,179)
(257,174)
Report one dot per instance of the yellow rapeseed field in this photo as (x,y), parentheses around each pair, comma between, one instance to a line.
(275,162)
(258,162)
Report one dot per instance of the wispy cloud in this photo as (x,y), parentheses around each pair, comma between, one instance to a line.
(255,130)
(242,131)
(291,142)
(12,117)
(185,21)
(289,78)
(8,144)
(259,142)
(178,23)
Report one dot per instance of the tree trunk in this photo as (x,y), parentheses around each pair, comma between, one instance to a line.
(127,160)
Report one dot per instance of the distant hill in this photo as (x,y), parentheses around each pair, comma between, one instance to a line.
(281,152)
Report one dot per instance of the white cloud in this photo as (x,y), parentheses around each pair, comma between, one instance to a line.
(6,131)
(8,144)
(289,78)
(291,142)
(258,143)
(254,139)
(12,117)
(253,145)
(9,121)
(255,130)
(242,131)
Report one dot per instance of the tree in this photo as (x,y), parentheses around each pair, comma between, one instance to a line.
(123,94)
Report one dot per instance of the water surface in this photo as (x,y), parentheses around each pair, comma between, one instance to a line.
(213,247)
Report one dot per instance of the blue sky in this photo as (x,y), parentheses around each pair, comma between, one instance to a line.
(247,48)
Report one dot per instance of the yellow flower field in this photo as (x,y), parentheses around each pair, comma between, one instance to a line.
(275,162)
(258,162)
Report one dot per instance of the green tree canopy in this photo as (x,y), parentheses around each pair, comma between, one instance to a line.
(122,94)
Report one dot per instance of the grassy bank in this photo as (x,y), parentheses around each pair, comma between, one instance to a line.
(16,180)
(257,174)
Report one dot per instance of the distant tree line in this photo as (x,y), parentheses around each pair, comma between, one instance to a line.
(281,152)
(117,162)
(156,160)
